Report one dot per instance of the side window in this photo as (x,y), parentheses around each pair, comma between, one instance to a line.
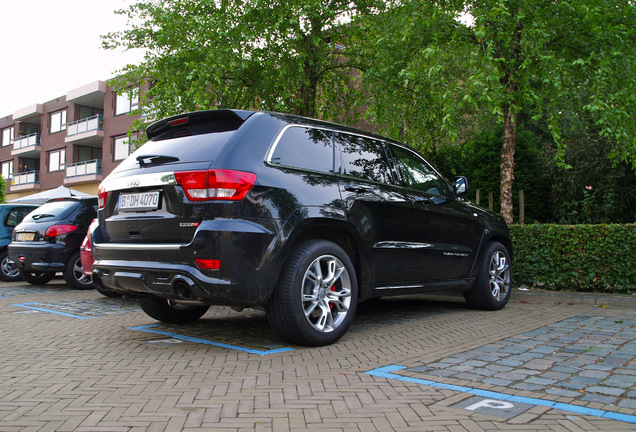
(16,215)
(417,174)
(306,148)
(363,158)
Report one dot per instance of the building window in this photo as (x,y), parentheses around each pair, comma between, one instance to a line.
(58,121)
(122,147)
(126,102)
(7,136)
(7,169)
(57,159)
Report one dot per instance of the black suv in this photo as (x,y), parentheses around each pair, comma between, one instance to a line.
(48,240)
(302,217)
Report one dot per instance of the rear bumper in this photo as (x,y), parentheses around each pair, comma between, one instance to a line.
(38,257)
(245,276)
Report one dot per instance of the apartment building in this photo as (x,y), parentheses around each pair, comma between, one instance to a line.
(75,140)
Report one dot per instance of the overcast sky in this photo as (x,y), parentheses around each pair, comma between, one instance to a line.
(53,46)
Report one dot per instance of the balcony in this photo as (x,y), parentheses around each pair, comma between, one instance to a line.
(86,171)
(27,146)
(88,131)
(25,181)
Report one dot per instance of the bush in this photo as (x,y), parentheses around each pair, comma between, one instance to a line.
(589,258)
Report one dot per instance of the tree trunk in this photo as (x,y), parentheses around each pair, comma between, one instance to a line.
(509,140)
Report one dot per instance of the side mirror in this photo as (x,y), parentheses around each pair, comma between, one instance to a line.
(460,186)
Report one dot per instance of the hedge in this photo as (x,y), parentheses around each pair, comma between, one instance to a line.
(588,258)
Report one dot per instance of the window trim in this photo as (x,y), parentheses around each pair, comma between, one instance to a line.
(270,153)
(61,163)
(11,130)
(63,121)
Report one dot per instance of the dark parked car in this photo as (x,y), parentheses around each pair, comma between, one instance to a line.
(302,217)
(10,216)
(48,241)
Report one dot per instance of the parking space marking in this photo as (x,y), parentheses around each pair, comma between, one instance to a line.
(388,373)
(41,309)
(151,329)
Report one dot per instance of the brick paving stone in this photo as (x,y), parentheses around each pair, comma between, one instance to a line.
(61,373)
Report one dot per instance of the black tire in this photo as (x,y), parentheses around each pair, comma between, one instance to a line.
(492,288)
(37,278)
(8,272)
(307,308)
(107,292)
(163,310)
(74,273)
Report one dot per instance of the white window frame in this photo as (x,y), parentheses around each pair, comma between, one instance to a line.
(57,160)
(126,102)
(7,169)
(57,121)
(119,142)
(8,135)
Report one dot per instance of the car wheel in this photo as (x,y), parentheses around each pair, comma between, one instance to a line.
(169,312)
(8,272)
(37,278)
(316,296)
(74,273)
(492,287)
(107,292)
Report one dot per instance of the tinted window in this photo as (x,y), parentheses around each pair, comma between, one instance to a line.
(16,215)
(187,149)
(52,211)
(417,174)
(363,158)
(306,148)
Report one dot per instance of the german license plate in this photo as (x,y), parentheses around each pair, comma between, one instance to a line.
(139,201)
(25,236)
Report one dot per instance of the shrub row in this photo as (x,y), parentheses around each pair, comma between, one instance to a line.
(592,258)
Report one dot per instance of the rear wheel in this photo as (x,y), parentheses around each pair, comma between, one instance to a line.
(492,287)
(167,311)
(8,272)
(74,273)
(316,296)
(37,278)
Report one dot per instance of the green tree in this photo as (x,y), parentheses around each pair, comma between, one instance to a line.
(275,55)
(532,60)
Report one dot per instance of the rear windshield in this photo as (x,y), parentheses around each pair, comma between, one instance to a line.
(52,211)
(193,148)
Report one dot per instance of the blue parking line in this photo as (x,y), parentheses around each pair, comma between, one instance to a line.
(41,309)
(387,372)
(149,329)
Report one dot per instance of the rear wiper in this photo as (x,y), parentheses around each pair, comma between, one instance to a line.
(155,159)
(42,216)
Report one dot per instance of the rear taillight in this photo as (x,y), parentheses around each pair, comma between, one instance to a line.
(57,230)
(101,197)
(215,184)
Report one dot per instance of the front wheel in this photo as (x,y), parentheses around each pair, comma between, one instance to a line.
(167,311)
(492,287)
(316,296)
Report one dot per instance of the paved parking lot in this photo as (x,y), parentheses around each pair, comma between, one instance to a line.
(77,361)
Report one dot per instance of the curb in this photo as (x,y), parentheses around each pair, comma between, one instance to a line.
(572,298)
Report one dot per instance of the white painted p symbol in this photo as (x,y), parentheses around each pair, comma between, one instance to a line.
(490,403)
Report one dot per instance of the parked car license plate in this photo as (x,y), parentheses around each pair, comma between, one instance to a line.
(25,236)
(139,201)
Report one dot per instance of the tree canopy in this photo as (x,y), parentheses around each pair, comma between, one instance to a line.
(264,54)
(564,66)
